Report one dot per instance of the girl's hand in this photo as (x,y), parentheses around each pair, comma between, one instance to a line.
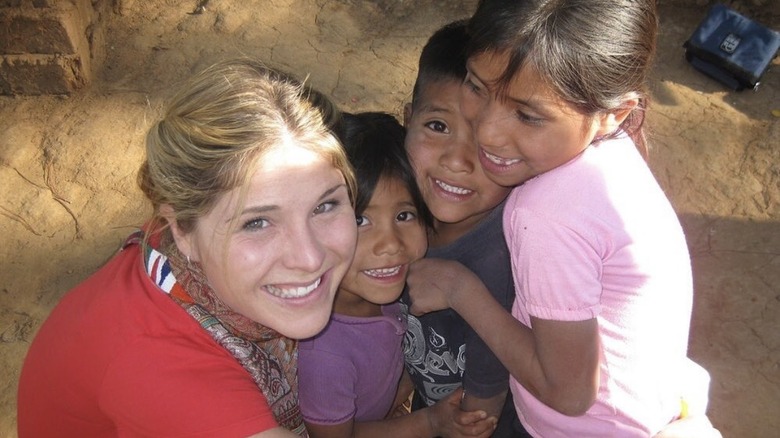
(435,284)
(448,420)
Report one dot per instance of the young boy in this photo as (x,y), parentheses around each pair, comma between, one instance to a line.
(442,352)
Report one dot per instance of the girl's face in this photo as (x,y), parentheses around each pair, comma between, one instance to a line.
(278,258)
(390,237)
(441,147)
(527,131)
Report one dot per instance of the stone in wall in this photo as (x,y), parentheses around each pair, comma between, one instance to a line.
(44,46)
(40,74)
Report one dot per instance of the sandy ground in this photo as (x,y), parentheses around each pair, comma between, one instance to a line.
(68,164)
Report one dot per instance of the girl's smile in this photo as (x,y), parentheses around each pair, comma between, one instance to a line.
(386,273)
(527,129)
(390,237)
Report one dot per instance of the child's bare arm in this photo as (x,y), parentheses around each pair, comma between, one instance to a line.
(492,406)
(557,362)
(343,430)
(437,420)
(402,402)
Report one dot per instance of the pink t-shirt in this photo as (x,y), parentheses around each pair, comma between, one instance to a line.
(118,357)
(597,238)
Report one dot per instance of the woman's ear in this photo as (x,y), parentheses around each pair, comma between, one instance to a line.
(181,238)
(610,121)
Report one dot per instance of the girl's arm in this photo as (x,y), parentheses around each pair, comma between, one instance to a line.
(402,402)
(277,432)
(437,420)
(557,362)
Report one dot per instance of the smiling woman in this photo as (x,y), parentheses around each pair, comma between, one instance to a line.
(253,230)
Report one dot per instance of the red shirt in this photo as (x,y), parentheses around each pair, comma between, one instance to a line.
(118,357)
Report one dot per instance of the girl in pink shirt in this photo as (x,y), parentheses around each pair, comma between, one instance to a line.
(597,340)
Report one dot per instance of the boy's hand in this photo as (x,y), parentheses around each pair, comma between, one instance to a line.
(695,426)
(448,420)
(434,284)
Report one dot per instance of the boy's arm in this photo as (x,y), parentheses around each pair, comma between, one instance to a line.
(557,362)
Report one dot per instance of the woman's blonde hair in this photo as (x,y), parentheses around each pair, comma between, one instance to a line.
(216,128)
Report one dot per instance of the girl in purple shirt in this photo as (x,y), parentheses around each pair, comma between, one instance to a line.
(350,374)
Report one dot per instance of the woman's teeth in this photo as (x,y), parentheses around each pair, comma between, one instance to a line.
(293,292)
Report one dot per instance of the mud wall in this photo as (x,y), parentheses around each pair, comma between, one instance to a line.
(47,46)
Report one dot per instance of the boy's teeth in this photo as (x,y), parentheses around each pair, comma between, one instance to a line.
(383,272)
(293,292)
(502,161)
(452,189)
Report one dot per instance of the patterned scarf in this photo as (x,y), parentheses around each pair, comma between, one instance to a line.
(270,358)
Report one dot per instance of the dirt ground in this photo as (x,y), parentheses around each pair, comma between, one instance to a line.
(68,164)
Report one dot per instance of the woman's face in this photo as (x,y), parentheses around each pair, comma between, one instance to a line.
(278,257)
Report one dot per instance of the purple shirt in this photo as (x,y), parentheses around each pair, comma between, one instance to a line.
(352,368)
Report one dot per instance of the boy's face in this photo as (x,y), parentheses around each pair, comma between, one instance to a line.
(443,151)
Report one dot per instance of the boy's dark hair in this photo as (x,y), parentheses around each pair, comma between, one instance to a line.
(443,57)
(374,142)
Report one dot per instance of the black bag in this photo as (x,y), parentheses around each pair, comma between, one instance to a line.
(731,48)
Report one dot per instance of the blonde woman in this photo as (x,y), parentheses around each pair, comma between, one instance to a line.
(190,330)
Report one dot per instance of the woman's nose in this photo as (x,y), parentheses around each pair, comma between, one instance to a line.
(304,250)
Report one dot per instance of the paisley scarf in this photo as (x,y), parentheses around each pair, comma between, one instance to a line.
(270,358)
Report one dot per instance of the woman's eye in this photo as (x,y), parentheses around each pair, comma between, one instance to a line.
(406,216)
(438,126)
(362,221)
(327,206)
(255,224)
